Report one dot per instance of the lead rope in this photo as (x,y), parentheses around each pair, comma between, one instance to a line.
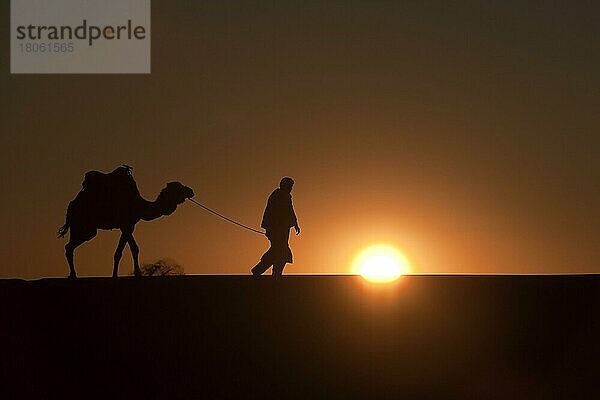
(225,218)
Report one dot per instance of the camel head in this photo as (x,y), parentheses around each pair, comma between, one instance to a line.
(173,195)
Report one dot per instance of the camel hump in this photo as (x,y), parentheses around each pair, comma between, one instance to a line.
(118,181)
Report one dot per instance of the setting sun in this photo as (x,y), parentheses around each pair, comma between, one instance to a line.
(381,263)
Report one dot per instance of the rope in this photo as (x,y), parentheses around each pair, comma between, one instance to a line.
(225,218)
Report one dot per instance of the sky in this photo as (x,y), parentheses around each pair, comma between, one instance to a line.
(463,133)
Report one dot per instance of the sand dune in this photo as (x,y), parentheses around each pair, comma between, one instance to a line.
(302,337)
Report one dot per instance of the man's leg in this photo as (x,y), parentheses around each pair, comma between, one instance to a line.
(281,251)
(261,267)
(278,268)
(265,261)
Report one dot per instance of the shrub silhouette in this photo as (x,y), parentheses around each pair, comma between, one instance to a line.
(162,267)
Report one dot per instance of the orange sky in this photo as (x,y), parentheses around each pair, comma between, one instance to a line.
(468,137)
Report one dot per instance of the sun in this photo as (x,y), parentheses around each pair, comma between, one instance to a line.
(381,263)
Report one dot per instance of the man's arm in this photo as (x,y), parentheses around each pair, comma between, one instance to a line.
(294,219)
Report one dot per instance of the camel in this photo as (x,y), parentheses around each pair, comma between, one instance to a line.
(112,201)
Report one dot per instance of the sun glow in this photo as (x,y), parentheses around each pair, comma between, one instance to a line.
(381,263)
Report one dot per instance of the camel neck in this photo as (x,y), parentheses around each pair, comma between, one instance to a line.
(152,209)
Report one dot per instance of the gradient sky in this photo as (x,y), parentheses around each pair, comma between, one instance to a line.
(466,134)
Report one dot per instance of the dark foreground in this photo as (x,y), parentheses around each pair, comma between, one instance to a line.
(468,337)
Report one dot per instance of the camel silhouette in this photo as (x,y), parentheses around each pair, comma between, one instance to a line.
(113,201)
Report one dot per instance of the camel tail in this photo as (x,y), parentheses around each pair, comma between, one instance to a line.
(62,231)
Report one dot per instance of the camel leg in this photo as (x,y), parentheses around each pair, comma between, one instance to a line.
(75,240)
(135,252)
(69,250)
(119,253)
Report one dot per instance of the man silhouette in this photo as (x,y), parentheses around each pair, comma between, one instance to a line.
(278,218)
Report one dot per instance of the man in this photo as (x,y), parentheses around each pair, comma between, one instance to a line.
(278,218)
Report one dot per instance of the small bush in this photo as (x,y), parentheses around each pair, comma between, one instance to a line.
(163,267)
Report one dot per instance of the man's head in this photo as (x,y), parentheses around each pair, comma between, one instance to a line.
(286,184)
